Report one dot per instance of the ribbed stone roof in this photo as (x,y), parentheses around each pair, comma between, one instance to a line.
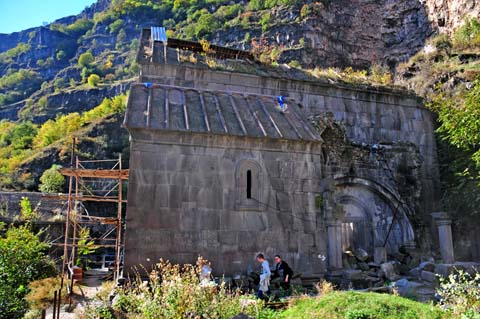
(171,108)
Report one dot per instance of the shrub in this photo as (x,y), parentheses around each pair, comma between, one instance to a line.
(79,27)
(59,83)
(41,292)
(86,59)
(19,84)
(86,246)
(114,105)
(61,55)
(93,80)
(180,294)
(18,136)
(380,75)
(18,50)
(468,35)
(206,23)
(27,213)
(115,25)
(265,21)
(460,294)
(121,38)
(229,12)
(54,130)
(23,259)
(52,180)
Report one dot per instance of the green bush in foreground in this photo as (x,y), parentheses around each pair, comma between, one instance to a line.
(361,305)
(23,259)
(460,294)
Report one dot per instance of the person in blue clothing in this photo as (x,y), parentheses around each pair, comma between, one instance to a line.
(264,286)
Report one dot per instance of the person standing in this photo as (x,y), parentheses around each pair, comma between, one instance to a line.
(283,270)
(264,286)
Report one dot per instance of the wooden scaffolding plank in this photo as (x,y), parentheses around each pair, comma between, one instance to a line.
(96,173)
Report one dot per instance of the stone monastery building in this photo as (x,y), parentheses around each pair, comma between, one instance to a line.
(231,157)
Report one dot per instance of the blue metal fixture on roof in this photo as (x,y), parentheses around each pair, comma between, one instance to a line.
(281,102)
(159,34)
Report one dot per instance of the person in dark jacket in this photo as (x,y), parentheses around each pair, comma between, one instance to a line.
(283,271)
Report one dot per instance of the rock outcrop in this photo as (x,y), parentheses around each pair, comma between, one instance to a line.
(447,15)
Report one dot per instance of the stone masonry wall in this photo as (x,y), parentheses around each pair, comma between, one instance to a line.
(183,202)
(369,116)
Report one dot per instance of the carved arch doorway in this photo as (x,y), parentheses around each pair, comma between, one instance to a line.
(374,216)
(357,230)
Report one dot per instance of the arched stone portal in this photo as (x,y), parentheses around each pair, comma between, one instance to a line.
(371,216)
(374,215)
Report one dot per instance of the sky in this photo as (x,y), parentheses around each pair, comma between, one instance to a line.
(17,15)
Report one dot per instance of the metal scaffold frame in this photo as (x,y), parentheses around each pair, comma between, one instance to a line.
(83,177)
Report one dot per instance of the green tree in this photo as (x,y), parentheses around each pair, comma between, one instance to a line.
(86,246)
(52,180)
(86,59)
(207,23)
(21,136)
(23,259)
(460,124)
(93,80)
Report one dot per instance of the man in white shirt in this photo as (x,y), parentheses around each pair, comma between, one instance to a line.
(264,286)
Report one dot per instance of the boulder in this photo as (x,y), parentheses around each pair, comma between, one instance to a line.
(425,294)
(445,270)
(345,262)
(390,270)
(352,274)
(363,266)
(361,254)
(429,276)
(427,266)
(399,284)
(404,269)
(415,272)
(407,288)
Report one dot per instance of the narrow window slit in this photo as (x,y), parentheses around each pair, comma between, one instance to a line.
(249,184)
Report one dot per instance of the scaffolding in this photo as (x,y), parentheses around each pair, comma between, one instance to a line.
(93,181)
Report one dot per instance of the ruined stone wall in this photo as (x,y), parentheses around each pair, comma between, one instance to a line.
(47,207)
(185,200)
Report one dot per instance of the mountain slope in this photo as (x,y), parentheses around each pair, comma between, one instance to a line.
(75,62)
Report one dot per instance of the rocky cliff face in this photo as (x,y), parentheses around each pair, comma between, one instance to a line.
(359,33)
(447,15)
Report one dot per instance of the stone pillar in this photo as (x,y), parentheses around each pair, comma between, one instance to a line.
(334,233)
(444,224)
